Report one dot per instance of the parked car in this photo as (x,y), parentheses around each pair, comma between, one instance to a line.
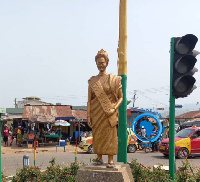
(187,141)
(188,124)
(86,143)
(132,145)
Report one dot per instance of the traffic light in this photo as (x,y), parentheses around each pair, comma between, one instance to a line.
(184,59)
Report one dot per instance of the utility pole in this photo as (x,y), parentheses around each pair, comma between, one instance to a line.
(15,102)
(122,71)
(134,97)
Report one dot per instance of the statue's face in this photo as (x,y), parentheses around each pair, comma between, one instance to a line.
(101,64)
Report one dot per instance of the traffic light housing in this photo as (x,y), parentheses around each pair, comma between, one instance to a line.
(184,59)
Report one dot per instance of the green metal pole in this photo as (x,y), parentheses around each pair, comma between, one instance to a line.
(122,130)
(172,118)
(0,144)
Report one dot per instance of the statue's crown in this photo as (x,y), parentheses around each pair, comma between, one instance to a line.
(102,52)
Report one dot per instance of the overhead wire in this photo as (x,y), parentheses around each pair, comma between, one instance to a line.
(152,99)
(143,93)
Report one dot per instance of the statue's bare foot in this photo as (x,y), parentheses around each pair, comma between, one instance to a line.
(110,165)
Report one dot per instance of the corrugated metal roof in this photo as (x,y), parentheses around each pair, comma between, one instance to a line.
(197,116)
(188,115)
(54,110)
(78,114)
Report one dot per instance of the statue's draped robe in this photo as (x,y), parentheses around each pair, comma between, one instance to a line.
(104,127)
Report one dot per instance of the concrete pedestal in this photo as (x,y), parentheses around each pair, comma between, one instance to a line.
(92,173)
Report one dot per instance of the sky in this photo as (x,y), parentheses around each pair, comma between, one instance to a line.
(48,48)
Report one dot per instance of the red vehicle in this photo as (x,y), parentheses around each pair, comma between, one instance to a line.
(187,141)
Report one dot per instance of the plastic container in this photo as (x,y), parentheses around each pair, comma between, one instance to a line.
(62,142)
(68,143)
(30,136)
(30,145)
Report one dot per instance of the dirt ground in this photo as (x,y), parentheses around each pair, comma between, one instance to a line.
(12,156)
(14,149)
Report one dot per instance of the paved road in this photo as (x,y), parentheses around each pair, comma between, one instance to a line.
(12,162)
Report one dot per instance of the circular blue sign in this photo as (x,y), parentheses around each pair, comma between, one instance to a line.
(150,116)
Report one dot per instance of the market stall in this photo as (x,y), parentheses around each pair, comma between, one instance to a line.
(41,128)
(62,127)
(51,136)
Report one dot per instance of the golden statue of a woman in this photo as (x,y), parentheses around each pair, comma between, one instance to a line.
(104,98)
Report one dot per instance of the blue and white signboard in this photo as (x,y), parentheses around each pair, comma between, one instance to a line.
(148,126)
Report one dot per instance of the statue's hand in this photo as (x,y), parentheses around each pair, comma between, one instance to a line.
(111,112)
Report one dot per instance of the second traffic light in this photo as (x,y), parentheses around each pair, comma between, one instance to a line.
(184,59)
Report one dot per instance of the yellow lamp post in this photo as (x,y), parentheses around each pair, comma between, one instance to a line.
(122,71)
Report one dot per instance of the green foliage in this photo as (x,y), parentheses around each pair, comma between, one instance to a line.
(185,174)
(139,173)
(53,173)
(198,175)
(31,173)
(74,168)
(3,177)
(95,159)
(159,175)
(52,161)
(144,174)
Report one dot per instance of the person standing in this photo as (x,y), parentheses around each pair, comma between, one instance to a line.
(11,137)
(143,131)
(19,136)
(5,132)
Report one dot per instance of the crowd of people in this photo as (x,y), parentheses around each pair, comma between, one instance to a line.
(21,133)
